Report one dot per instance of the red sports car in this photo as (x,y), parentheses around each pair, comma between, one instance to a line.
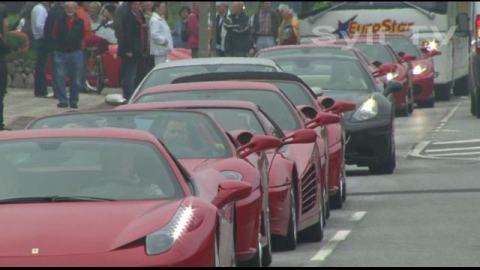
(301,95)
(109,197)
(204,149)
(279,108)
(285,187)
(423,71)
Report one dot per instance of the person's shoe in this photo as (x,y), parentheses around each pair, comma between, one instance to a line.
(41,96)
(74,106)
(60,105)
(50,95)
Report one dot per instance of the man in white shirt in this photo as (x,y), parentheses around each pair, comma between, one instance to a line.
(161,43)
(38,18)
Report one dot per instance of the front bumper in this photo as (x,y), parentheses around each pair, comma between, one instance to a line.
(423,87)
(368,146)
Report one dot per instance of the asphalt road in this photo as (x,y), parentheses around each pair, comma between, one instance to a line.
(425,214)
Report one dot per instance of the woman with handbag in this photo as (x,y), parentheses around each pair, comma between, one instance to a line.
(288,33)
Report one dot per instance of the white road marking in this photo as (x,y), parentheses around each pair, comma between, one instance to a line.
(419,148)
(452,149)
(358,216)
(450,114)
(323,253)
(457,154)
(457,142)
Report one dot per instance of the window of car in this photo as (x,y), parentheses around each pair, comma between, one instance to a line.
(329,74)
(376,52)
(167,75)
(271,102)
(234,119)
(188,135)
(272,54)
(295,92)
(404,45)
(112,169)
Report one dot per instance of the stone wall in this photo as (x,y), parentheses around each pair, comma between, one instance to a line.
(20,73)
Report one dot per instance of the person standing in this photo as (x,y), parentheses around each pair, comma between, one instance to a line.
(161,42)
(82,13)
(222,9)
(39,17)
(180,35)
(94,9)
(265,27)
(68,34)
(131,46)
(289,33)
(147,62)
(192,30)
(106,29)
(55,13)
(4,50)
(238,39)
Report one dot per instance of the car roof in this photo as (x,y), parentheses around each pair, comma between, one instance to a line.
(320,44)
(217,61)
(319,56)
(190,104)
(103,133)
(221,85)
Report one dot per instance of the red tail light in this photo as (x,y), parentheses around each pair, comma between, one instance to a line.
(477,24)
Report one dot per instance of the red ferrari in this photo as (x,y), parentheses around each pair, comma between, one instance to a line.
(301,95)
(204,149)
(109,197)
(278,107)
(286,189)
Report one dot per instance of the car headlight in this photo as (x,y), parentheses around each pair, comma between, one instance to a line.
(419,69)
(163,239)
(367,111)
(232,175)
(392,75)
(431,44)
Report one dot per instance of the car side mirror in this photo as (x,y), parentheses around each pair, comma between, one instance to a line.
(384,69)
(115,100)
(307,111)
(406,57)
(323,119)
(336,106)
(301,136)
(259,143)
(231,191)
(392,87)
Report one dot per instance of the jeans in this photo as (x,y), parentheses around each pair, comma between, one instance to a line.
(265,42)
(70,64)
(41,51)
(3,90)
(129,70)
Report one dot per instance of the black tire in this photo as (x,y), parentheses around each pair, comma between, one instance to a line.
(443,92)
(461,87)
(99,75)
(473,104)
(288,242)
(404,112)
(336,201)
(267,250)
(388,166)
(315,232)
(256,260)
(427,104)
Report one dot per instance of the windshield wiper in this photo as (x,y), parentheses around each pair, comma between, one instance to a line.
(53,199)
(425,12)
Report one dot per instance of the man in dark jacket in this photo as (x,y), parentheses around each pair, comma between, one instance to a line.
(68,57)
(132,47)
(265,27)
(3,65)
(238,39)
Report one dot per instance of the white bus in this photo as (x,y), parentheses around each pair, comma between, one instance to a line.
(442,25)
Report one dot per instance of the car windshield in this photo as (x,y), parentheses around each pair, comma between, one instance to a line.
(236,119)
(403,45)
(295,92)
(111,169)
(272,103)
(329,74)
(188,135)
(272,54)
(376,52)
(167,75)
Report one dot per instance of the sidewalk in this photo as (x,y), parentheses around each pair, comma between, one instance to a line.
(21,106)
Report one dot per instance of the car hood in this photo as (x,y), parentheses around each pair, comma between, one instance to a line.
(75,228)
